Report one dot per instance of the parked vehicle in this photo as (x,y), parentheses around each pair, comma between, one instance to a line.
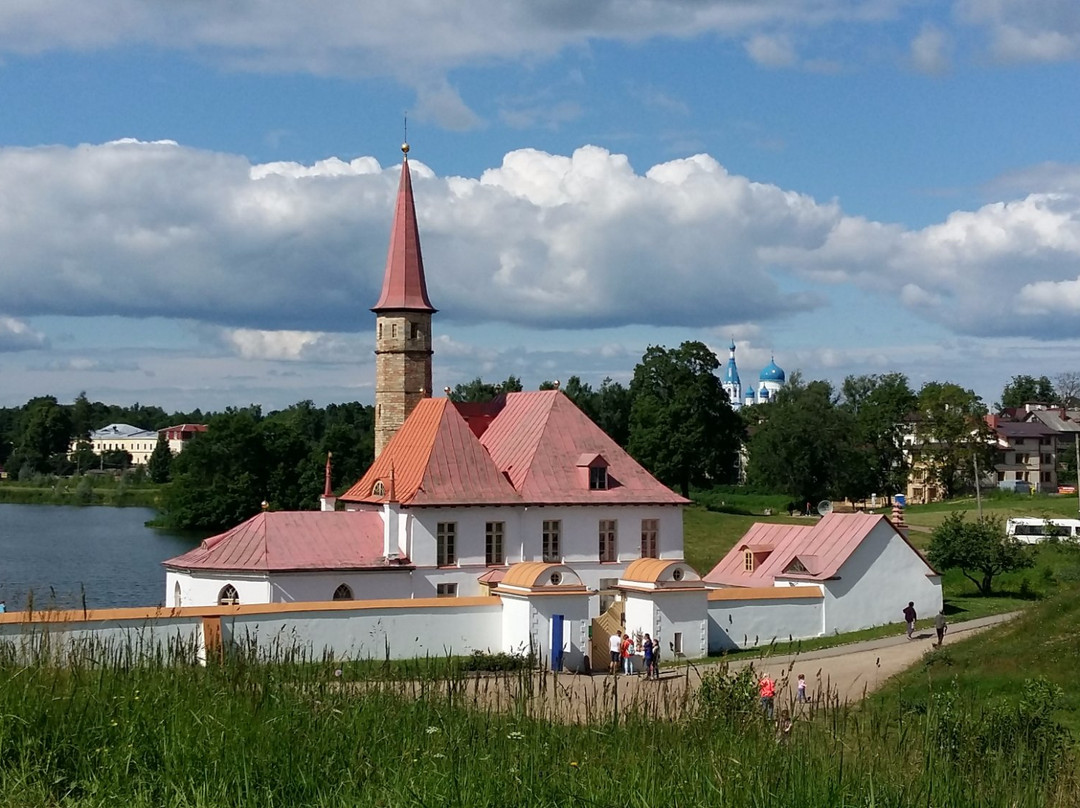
(1032,530)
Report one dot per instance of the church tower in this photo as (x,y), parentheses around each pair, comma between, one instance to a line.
(402,321)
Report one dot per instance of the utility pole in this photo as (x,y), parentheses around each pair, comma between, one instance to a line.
(978,494)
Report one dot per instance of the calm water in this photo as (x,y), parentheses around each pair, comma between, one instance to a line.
(58,552)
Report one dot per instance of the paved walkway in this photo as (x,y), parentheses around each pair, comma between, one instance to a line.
(844,673)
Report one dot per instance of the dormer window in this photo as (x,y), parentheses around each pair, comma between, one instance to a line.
(598,478)
(378,489)
(593,471)
(748,560)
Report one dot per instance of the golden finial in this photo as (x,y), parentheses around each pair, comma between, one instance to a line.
(405,140)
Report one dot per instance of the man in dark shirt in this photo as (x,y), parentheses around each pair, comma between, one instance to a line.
(909,616)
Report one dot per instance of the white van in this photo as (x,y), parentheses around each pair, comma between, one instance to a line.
(1032,530)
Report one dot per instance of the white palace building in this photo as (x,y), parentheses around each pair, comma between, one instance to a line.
(509,525)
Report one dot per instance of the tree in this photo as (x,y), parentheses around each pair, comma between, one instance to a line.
(82,414)
(84,457)
(682,426)
(952,435)
(801,443)
(613,403)
(159,466)
(478,391)
(1022,389)
(44,431)
(878,405)
(1067,386)
(980,549)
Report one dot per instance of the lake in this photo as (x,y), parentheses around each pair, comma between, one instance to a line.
(60,552)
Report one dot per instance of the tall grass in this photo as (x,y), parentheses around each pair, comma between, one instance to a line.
(118,725)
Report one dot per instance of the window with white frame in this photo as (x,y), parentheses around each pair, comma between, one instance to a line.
(493,544)
(650,531)
(228,596)
(446,544)
(551,544)
(608,535)
(598,480)
(446,590)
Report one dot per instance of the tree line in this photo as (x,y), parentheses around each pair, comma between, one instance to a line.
(811,442)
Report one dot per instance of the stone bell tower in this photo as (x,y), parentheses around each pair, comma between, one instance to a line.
(402,321)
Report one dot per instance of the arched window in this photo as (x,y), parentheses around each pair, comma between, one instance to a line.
(343,592)
(176,594)
(228,596)
(378,489)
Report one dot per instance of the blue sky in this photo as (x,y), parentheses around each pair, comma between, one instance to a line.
(195,201)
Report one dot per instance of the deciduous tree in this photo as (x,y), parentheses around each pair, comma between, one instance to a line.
(951,435)
(980,550)
(1023,389)
(159,466)
(801,443)
(682,427)
(879,406)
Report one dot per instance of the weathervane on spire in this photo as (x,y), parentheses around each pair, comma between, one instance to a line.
(405,141)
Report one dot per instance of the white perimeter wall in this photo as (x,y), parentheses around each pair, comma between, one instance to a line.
(749,623)
(141,635)
(408,632)
(876,583)
(528,620)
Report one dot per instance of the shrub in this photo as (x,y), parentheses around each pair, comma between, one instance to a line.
(728,697)
(480,661)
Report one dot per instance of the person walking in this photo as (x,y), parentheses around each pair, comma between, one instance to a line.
(767,691)
(941,627)
(647,655)
(615,647)
(910,617)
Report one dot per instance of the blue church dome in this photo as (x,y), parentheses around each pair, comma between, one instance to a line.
(731,372)
(772,373)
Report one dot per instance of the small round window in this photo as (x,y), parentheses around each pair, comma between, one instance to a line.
(677,574)
(556,578)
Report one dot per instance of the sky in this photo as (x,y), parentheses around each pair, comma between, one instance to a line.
(195,198)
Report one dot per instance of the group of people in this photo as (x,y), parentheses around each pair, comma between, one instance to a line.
(940,626)
(623,651)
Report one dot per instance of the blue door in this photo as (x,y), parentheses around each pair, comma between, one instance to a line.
(556,641)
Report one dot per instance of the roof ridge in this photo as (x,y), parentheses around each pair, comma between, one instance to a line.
(551,399)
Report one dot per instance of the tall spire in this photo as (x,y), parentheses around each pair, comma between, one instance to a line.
(404,287)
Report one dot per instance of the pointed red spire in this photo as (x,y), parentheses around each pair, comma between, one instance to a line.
(404,288)
(328,491)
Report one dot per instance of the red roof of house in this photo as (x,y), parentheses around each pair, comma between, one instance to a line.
(434,459)
(821,550)
(404,287)
(526,453)
(275,541)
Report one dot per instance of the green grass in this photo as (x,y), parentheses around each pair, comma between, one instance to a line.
(104,731)
(81,491)
(707,535)
(993,667)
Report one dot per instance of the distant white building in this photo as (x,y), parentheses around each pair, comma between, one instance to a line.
(137,442)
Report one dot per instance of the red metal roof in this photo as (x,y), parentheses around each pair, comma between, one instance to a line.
(404,287)
(435,459)
(275,541)
(537,439)
(528,454)
(822,549)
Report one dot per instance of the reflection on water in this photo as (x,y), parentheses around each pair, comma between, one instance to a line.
(60,552)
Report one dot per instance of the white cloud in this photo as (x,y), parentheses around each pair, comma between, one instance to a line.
(1027,30)
(414,41)
(15,335)
(930,50)
(542,240)
(771,50)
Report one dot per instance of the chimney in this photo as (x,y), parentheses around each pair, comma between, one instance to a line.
(327,502)
(391,517)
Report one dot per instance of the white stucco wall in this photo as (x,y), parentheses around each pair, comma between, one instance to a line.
(528,620)
(140,636)
(580,543)
(752,623)
(877,581)
(203,588)
(372,585)
(407,632)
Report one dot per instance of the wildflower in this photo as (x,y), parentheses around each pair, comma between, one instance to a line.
(432,730)
(573,764)
(516,736)
(337,672)
(438,755)
(115,724)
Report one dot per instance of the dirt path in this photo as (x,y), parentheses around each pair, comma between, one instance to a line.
(846,673)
